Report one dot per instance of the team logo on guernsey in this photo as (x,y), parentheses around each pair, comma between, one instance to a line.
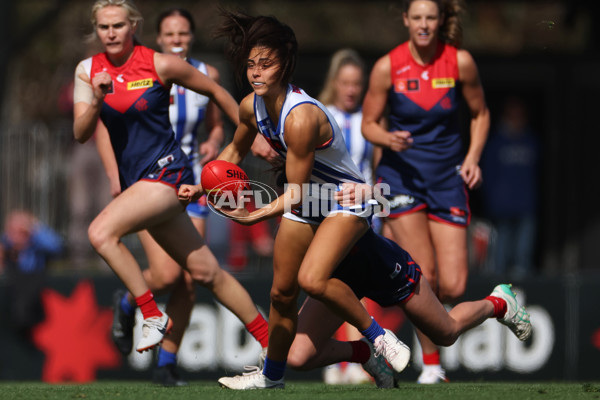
(406,85)
(141,104)
(396,271)
(442,83)
(446,103)
(141,84)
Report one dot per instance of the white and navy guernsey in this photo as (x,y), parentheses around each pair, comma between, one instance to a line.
(332,165)
(360,149)
(187,111)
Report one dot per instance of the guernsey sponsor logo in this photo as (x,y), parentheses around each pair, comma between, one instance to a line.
(406,85)
(403,69)
(442,83)
(141,84)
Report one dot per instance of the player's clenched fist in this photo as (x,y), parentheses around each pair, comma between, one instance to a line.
(102,83)
(189,193)
(400,140)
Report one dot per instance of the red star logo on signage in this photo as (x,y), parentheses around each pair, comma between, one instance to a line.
(75,336)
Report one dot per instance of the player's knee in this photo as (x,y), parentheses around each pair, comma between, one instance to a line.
(445,336)
(298,360)
(204,274)
(100,237)
(166,278)
(203,267)
(300,355)
(282,299)
(312,286)
(444,339)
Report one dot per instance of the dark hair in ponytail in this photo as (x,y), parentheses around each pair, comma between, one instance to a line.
(245,32)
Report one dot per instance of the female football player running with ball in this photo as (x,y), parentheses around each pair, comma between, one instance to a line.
(309,244)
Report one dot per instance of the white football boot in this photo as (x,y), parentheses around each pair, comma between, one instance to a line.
(432,374)
(154,330)
(254,379)
(393,350)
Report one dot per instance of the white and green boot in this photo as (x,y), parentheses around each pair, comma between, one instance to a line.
(516,318)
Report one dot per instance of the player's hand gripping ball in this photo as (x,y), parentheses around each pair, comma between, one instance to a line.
(220,178)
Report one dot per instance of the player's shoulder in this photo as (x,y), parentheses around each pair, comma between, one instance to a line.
(466,65)
(464,57)
(85,66)
(247,106)
(383,64)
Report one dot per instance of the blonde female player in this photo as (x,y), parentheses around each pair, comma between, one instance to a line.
(127,87)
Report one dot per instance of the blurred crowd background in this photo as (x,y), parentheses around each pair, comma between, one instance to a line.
(538,60)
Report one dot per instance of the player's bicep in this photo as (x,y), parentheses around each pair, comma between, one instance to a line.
(302,133)
(377,92)
(472,90)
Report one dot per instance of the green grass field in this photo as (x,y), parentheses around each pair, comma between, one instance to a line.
(126,390)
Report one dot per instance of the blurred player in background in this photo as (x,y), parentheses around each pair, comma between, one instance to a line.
(342,94)
(422,160)
(128,87)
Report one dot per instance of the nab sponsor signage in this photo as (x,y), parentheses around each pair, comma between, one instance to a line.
(565,342)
